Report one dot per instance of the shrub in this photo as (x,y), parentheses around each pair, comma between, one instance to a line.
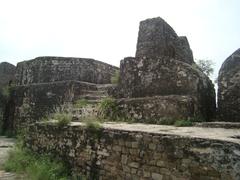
(115,77)
(181,123)
(36,167)
(63,119)
(109,109)
(81,103)
(93,125)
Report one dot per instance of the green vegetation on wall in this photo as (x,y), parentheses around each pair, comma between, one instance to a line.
(109,109)
(62,119)
(35,167)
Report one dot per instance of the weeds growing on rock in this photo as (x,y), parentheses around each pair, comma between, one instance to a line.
(62,119)
(108,108)
(33,166)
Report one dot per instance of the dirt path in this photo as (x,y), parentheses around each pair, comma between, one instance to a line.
(5,145)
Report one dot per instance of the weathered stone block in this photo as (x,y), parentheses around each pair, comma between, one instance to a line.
(229,89)
(37,101)
(157,176)
(157,38)
(134,164)
(157,109)
(164,66)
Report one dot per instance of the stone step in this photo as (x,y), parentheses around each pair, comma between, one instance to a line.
(98,92)
(93,97)
(94,101)
(104,87)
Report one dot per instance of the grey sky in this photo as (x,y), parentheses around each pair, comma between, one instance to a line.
(107,30)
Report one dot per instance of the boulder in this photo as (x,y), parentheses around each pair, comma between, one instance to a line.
(229,89)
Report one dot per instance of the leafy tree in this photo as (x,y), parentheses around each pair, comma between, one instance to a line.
(206,66)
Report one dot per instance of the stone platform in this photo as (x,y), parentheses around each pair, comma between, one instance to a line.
(140,151)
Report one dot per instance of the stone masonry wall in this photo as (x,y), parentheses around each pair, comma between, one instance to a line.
(52,69)
(37,101)
(125,154)
(229,89)
(163,66)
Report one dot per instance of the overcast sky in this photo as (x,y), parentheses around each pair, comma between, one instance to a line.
(107,30)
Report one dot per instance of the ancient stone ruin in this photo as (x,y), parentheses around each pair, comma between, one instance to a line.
(53,69)
(229,89)
(163,81)
(52,84)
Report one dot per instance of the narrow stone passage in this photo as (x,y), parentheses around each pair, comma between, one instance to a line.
(6,144)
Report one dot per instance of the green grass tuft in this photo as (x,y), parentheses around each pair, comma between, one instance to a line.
(93,125)
(63,119)
(35,167)
(109,109)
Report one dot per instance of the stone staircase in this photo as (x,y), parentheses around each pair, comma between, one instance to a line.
(92,99)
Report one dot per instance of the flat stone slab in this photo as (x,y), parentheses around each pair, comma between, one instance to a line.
(225,125)
(230,135)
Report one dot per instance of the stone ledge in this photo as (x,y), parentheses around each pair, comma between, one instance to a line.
(207,133)
(226,125)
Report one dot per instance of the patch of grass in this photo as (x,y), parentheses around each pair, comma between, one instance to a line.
(63,119)
(81,103)
(115,77)
(35,167)
(93,125)
(182,123)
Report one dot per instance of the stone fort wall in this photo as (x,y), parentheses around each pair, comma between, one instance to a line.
(52,69)
(115,153)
